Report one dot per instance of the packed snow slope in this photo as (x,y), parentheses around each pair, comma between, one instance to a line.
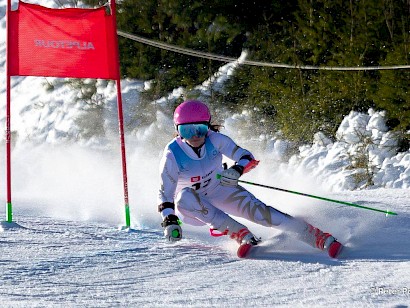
(52,262)
(67,249)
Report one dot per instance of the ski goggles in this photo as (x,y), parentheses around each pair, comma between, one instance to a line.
(187,131)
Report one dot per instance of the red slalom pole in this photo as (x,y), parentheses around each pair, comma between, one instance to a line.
(9,211)
(121,120)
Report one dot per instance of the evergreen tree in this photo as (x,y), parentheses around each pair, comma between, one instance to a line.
(393,91)
(297,102)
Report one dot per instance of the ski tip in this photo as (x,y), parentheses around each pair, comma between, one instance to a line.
(244,250)
(335,250)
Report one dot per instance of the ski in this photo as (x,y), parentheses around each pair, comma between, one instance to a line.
(337,251)
(244,250)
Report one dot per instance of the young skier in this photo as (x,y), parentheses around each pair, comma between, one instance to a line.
(194,182)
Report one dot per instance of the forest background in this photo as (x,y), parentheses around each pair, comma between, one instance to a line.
(295,102)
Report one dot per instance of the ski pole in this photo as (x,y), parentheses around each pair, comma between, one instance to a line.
(320,198)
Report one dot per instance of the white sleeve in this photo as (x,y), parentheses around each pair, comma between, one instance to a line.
(168,170)
(230,149)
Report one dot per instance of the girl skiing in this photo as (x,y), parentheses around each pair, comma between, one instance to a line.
(194,182)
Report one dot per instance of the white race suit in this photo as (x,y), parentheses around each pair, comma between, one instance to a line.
(189,180)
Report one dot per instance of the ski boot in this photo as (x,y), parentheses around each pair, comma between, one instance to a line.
(325,241)
(246,242)
(238,232)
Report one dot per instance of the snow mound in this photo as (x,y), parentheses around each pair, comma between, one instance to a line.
(364,155)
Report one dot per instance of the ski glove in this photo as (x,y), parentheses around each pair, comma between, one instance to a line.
(172,230)
(229,177)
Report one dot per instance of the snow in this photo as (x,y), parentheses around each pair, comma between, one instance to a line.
(67,247)
(359,136)
(59,262)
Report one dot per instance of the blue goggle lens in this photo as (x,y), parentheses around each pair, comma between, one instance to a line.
(187,131)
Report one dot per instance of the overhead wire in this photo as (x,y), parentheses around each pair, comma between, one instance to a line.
(211,56)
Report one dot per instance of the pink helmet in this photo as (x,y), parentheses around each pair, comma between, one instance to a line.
(191,112)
